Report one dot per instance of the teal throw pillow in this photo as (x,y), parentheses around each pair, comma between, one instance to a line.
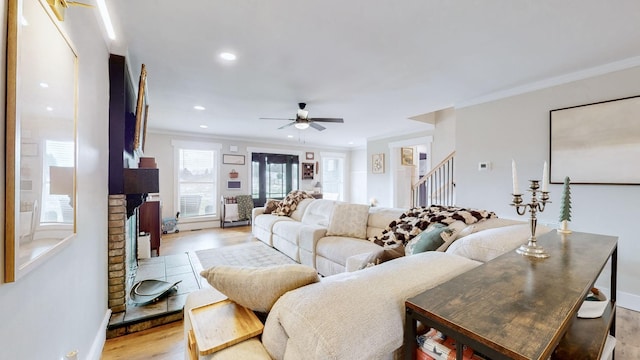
(428,240)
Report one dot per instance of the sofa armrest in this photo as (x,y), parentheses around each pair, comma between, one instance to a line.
(309,236)
(255,212)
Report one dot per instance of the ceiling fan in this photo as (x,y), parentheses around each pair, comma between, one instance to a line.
(303,121)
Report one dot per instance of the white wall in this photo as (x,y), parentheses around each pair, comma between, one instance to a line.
(61,305)
(444,139)
(518,128)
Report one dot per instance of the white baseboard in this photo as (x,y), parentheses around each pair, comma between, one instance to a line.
(199,225)
(95,353)
(628,301)
(624,299)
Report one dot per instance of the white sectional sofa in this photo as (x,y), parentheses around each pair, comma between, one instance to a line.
(353,314)
(303,235)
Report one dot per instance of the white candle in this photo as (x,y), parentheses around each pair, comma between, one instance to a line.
(514,174)
(545,177)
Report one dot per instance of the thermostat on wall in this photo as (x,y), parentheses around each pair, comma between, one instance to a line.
(483,166)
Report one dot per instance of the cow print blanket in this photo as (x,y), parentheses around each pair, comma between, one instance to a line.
(415,220)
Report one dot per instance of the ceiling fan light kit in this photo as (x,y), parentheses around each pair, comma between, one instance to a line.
(303,121)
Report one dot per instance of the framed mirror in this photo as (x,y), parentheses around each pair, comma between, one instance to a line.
(41,112)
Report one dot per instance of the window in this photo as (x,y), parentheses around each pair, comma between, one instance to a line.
(333,176)
(57,202)
(273,176)
(197,186)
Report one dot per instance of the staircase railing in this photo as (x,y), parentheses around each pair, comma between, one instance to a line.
(437,186)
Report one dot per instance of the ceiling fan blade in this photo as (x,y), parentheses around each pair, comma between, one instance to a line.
(333,120)
(276,119)
(316,126)
(287,125)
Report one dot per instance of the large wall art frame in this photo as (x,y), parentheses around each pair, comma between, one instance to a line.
(41,144)
(596,143)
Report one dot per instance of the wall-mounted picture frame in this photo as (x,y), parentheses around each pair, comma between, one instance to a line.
(234,184)
(140,109)
(309,155)
(233,159)
(144,128)
(596,143)
(406,155)
(307,171)
(377,163)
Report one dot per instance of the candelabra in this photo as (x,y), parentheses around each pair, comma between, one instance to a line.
(531,248)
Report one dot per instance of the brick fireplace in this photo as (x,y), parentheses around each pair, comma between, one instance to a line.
(121,256)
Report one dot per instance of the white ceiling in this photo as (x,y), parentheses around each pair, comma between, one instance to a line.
(374,63)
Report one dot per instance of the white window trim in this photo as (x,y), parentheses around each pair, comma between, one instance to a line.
(195,145)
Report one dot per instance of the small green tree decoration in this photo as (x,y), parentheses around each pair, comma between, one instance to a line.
(565,207)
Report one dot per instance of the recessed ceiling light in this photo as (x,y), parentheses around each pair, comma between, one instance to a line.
(228,56)
(44,85)
(199,107)
(204,126)
(350,142)
(290,136)
(49,108)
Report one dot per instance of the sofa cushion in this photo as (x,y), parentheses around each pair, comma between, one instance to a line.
(489,244)
(338,248)
(349,220)
(380,218)
(297,214)
(266,221)
(258,288)
(487,224)
(318,212)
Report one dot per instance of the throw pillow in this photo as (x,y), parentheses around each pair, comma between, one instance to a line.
(428,240)
(270,206)
(258,288)
(451,234)
(488,244)
(349,220)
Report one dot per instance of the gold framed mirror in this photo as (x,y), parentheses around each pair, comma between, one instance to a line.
(41,145)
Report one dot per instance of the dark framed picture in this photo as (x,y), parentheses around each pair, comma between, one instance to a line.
(233,159)
(309,155)
(234,184)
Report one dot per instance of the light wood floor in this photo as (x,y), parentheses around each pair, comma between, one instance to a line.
(166,342)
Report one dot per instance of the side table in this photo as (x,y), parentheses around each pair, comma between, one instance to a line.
(516,307)
(220,325)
